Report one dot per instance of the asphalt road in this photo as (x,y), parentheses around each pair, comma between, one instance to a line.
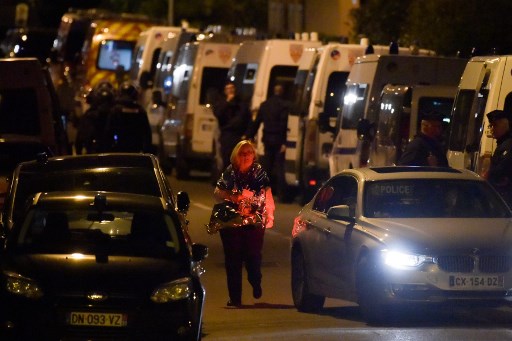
(273,317)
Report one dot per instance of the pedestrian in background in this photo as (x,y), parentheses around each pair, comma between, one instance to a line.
(233,118)
(244,180)
(92,123)
(127,128)
(273,113)
(426,149)
(500,170)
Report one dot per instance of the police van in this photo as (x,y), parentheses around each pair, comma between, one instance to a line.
(147,59)
(107,51)
(151,44)
(261,64)
(485,85)
(367,78)
(199,76)
(399,118)
(319,89)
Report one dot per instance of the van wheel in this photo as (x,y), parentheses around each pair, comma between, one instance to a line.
(164,160)
(303,299)
(182,167)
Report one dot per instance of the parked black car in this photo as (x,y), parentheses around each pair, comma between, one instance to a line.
(128,172)
(100,265)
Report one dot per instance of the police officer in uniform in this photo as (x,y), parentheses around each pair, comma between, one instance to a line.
(273,113)
(127,127)
(500,170)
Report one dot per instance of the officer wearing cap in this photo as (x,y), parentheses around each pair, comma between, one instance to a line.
(426,148)
(500,170)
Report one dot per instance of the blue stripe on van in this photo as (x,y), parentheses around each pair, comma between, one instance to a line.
(344,151)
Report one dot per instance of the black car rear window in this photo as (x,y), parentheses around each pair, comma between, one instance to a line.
(130,232)
(127,180)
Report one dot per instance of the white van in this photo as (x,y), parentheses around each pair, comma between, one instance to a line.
(399,118)
(199,77)
(153,43)
(319,91)
(486,85)
(361,104)
(261,64)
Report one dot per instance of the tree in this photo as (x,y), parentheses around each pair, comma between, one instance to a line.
(446,26)
(380,21)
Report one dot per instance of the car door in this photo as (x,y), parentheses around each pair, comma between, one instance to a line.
(331,256)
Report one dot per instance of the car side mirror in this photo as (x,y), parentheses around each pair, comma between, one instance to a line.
(199,252)
(183,201)
(341,212)
(324,124)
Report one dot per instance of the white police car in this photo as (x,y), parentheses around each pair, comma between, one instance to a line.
(388,236)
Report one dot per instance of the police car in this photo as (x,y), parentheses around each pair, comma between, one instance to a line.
(395,236)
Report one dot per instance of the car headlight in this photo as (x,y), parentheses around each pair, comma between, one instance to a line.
(398,259)
(173,291)
(23,286)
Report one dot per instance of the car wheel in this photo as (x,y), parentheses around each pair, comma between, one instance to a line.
(303,299)
(370,293)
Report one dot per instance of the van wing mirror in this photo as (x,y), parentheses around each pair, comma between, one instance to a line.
(145,80)
(324,124)
(365,129)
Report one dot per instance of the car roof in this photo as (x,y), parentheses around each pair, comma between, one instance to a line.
(114,200)
(412,172)
(71,162)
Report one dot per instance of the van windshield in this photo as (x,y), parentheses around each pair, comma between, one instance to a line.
(115,53)
(212,84)
(467,119)
(353,105)
(335,93)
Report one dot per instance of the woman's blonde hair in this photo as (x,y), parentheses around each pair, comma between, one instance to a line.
(236,151)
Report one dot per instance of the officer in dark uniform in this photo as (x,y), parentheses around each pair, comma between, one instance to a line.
(273,113)
(233,117)
(127,128)
(426,148)
(500,170)
(91,125)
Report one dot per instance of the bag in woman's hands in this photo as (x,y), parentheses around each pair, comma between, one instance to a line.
(227,215)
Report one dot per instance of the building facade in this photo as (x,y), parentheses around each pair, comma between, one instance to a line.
(330,18)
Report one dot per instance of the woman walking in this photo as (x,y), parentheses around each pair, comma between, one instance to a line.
(245,184)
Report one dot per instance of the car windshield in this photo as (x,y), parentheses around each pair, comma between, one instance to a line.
(129,180)
(432,198)
(133,233)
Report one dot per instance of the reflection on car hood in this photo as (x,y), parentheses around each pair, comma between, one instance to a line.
(442,234)
(119,274)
